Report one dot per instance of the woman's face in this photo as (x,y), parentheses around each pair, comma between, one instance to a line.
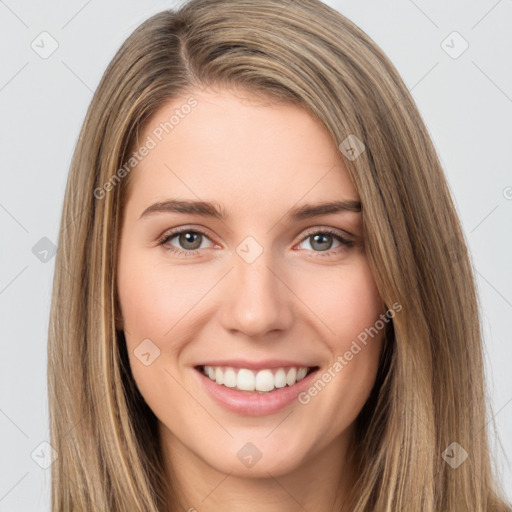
(256,294)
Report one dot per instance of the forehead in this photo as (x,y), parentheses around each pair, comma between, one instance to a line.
(249,156)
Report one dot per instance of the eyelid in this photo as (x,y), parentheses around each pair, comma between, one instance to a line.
(327,229)
(345,237)
(185,229)
(304,233)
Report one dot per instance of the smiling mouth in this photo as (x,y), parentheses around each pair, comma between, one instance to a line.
(251,381)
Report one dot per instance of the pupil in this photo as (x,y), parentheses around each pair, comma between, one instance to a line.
(315,240)
(188,238)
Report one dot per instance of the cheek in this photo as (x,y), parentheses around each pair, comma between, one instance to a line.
(150,307)
(158,303)
(151,301)
(351,311)
(346,301)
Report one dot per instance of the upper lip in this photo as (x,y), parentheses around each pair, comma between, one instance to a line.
(256,365)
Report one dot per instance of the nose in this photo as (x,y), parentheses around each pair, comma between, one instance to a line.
(258,299)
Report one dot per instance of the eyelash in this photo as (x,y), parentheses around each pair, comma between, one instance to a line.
(345,243)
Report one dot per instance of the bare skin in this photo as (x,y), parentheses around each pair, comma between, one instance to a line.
(295,301)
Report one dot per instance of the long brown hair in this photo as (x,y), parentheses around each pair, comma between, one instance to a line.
(430,389)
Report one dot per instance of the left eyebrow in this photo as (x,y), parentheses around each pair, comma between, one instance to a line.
(208,209)
(314,210)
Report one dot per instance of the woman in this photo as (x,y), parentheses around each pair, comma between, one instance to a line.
(262,369)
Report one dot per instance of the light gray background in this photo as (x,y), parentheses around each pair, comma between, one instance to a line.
(465,101)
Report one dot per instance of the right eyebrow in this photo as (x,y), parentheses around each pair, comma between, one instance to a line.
(202,208)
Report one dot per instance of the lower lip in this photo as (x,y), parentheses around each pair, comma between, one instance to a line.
(255,404)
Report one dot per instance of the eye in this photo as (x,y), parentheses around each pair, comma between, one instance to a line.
(190,239)
(321,241)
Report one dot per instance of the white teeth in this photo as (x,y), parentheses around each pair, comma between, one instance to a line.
(280,378)
(230,378)
(301,373)
(291,377)
(244,380)
(262,381)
